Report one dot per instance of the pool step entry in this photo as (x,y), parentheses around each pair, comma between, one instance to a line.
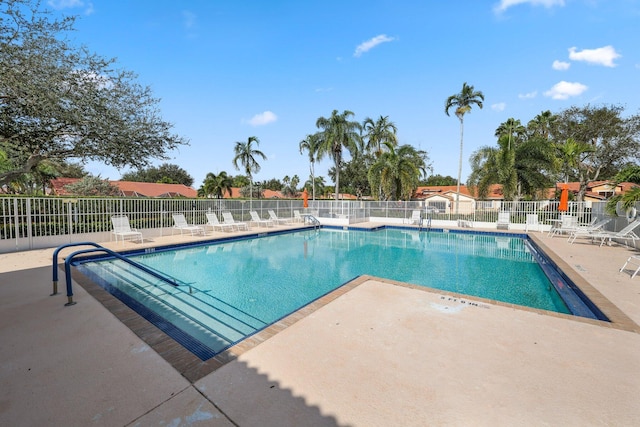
(310,219)
(208,320)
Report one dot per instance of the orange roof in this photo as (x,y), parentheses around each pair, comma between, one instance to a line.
(133,189)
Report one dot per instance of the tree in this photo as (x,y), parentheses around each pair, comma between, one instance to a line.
(542,125)
(317,184)
(337,132)
(273,184)
(311,145)
(92,186)
(60,102)
(596,142)
(521,164)
(462,102)
(630,173)
(439,180)
(354,174)
(290,186)
(397,172)
(246,155)
(166,173)
(216,185)
(378,132)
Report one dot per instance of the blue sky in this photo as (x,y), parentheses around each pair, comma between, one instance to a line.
(226,70)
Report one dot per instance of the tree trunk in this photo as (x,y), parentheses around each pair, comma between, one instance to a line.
(459,168)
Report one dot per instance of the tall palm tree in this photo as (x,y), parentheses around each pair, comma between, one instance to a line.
(335,133)
(463,102)
(512,129)
(377,132)
(542,124)
(246,155)
(397,172)
(311,144)
(216,185)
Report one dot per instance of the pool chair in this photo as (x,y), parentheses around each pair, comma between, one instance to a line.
(212,221)
(587,230)
(228,219)
(625,234)
(504,218)
(634,260)
(180,223)
(415,217)
(297,216)
(273,217)
(567,224)
(255,219)
(123,230)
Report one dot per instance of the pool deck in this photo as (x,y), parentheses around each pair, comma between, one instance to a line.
(374,354)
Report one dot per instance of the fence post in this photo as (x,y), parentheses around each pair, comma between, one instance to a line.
(29,222)
(16,221)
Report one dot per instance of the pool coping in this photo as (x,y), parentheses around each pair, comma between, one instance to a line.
(193,368)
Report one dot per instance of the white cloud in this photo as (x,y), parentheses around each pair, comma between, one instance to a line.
(500,106)
(65,4)
(69,4)
(506,4)
(565,90)
(529,95)
(263,119)
(371,43)
(560,65)
(189,19)
(600,56)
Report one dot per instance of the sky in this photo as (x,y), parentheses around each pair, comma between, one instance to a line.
(226,70)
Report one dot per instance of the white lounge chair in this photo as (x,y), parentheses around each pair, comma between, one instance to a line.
(504,218)
(122,229)
(567,224)
(587,230)
(633,259)
(297,216)
(415,217)
(255,219)
(532,221)
(228,219)
(273,217)
(624,234)
(180,223)
(212,221)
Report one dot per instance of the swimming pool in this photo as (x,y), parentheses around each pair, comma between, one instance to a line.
(228,290)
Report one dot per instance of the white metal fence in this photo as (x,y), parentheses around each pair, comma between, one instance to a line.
(31,222)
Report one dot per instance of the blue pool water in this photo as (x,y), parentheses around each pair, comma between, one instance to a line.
(232,289)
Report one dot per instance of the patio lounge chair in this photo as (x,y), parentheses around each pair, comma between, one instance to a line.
(567,224)
(297,216)
(624,234)
(587,230)
(180,223)
(415,217)
(255,219)
(228,219)
(504,218)
(122,229)
(212,221)
(633,259)
(273,217)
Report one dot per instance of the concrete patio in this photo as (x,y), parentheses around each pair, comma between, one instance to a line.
(378,354)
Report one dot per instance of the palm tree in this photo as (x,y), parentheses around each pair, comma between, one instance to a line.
(513,129)
(311,143)
(397,172)
(246,155)
(462,102)
(216,185)
(542,124)
(335,133)
(377,132)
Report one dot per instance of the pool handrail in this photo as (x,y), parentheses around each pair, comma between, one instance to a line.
(67,269)
(55,261)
